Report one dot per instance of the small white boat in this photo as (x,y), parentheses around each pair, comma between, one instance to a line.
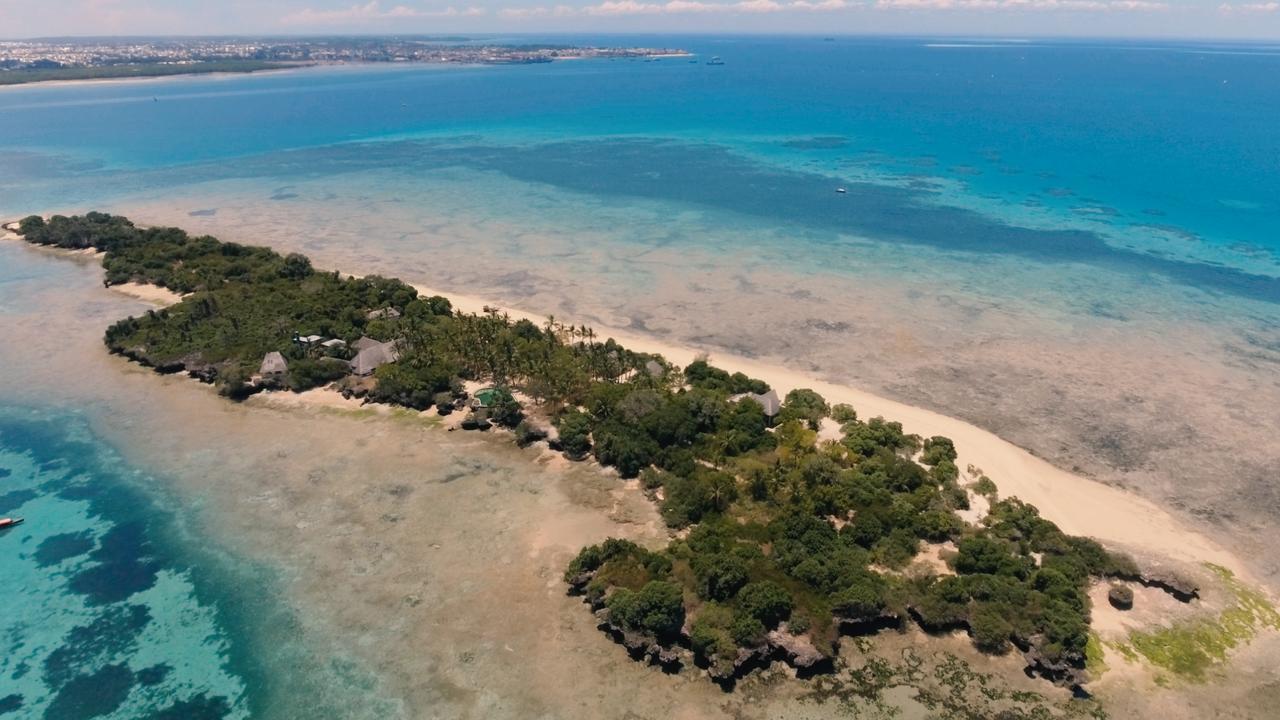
(6,523)
(841,190)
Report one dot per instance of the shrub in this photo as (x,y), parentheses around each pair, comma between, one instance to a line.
(505,410)
(575,432)
(806,406)
(937,449)
(657,608)
(765,601)
(747,630)
(306,373)
(720,577)
(443,402)
(990,628)
(624,447)
(528,434)
(866,438)
(864,599)
(991,556)
(985,487)
(689,499)
(844,413)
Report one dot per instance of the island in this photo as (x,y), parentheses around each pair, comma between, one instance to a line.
(50,60)
(791,520)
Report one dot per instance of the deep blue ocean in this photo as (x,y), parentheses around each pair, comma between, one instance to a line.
(1153,159)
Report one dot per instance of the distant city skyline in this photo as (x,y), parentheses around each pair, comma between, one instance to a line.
(1203,19)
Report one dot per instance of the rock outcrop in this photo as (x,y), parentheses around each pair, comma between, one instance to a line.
(799,651)
(1120,597)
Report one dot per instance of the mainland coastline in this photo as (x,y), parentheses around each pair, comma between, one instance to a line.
(1015,471)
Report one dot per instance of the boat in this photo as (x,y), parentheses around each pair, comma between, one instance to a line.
(6,523)
(841,190)
(715,60)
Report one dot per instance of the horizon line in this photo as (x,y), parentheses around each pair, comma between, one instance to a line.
(462,34)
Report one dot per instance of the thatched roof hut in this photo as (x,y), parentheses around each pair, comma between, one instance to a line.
(768,400)
(273,363)
(373,357)
(364,343)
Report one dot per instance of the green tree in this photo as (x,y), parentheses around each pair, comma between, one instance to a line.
(937,449)
(806,406)
(657,608)
(990,628)
(863,599)
(765,601)
(844,413)
(505,410)
(575,434)
(720,576)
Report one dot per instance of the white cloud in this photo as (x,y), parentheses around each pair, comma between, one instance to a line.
(1267,7)
(679,7)
(688,7)
(372,11)
(1074,5)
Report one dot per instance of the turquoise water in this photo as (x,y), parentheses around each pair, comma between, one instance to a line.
(1145,159)
(110,611)
(115,606)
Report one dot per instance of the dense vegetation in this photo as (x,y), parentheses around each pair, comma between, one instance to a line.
(782,531)
(30,75)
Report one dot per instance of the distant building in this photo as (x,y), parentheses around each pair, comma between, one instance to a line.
(307,339)
(387,313)
(273,365)
(767,400)
(374,357)
(333,344)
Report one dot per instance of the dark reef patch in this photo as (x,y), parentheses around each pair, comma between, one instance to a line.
(818,142)
(111,634)
(125,565)
(200,707)
(63,546)
(93,695)
(15,499)
(154,675)
(715,177)
(10,703)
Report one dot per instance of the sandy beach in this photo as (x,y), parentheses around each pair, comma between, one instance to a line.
(153,294)
(150,79)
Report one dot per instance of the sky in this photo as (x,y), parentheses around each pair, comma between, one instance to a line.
(1225,19)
